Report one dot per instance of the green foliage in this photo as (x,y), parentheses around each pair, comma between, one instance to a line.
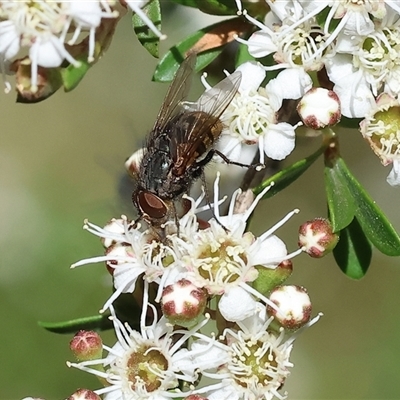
(149,40)
(217,7)
(71,75)
(99,322)
(188,3)
(242,55)
(288,175)
(347,198)
(340,200)
(206,42)
(353,252)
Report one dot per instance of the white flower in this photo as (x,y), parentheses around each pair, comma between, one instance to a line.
(346,16)
(380,129)
(254,362)
(372,66)
(37,25)
(87,15)
(224,257)
(214,258)
(251,117)
(296,42)
(42,26)
(132,253)
(148,364)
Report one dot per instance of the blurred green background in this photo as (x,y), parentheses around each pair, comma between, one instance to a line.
(62,160)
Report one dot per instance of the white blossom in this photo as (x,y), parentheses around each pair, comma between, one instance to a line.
(254,362)
(251,117)
(148,364)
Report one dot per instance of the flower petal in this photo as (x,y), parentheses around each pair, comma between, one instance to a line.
(393,178)
(280,141)
(252,76)
(237,304)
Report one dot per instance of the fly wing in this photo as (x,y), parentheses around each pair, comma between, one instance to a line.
(176,93)
(197,136)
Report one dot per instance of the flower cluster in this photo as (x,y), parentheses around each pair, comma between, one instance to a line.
(353,47)
(356,43)
(50,33)
(201,260)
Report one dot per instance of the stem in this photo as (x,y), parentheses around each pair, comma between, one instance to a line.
(332,152)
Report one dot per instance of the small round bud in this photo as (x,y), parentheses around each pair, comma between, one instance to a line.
(317,237)
(132,164)
(84,394)
(319,108)
(195,397)
(86,345)
(183,303)
(114,226)
(121,252)
(294,306)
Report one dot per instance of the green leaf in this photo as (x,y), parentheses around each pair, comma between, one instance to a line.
(373,221)
(243,55)
(169,64)
(95,323)
(353,252)
(208,43)
(188,3)
(353,123)
(288,175)
(217,7)
(149,40)
(71,75)
(341,203)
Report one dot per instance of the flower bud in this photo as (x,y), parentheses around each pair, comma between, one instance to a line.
(319,108)
(123,252)
(317,237)
(86,345)
(132,164)
(195,397)
(294,306)
(183,303)
(114,226)
(84,394)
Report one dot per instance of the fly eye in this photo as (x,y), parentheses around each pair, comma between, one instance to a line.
(151,205)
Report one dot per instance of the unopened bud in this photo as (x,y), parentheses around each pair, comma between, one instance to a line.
(319,108)
(84,394)
(195,397)
(183,303)
(116,226)
(132,164)
(317,238)
(86,345)
(294,306)
(123,254)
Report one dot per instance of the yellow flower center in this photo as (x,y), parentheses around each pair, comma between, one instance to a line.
(144,366)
